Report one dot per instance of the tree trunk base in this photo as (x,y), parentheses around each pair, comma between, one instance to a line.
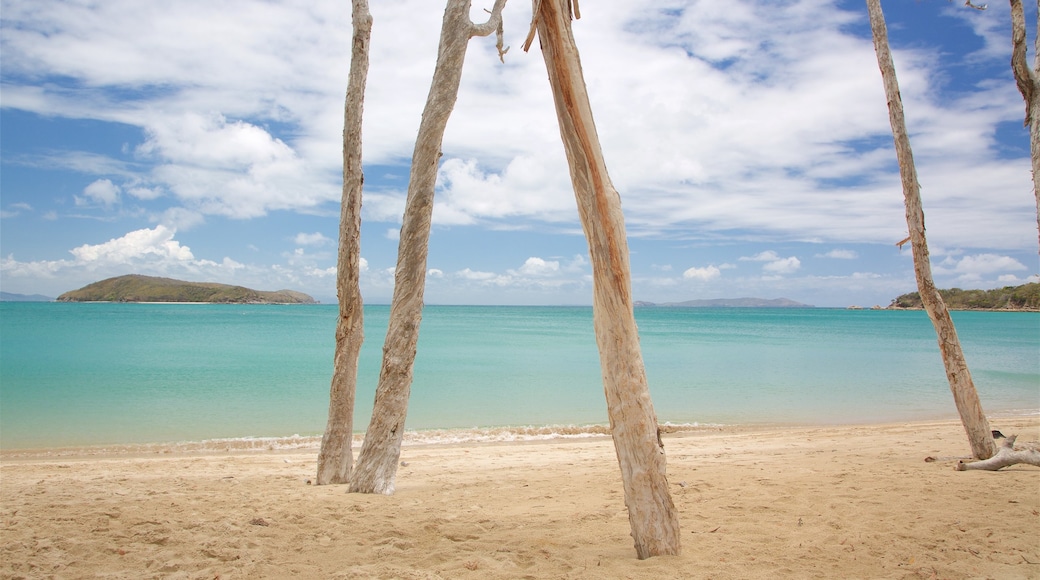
(1006,456)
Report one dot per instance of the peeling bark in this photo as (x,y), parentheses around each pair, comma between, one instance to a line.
(633,423)
(335,458)
(376,468)
(966,398)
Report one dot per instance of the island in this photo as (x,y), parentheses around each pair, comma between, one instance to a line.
(1025,297)
(137,288)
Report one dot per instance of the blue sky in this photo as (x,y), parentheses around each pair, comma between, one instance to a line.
(749,141)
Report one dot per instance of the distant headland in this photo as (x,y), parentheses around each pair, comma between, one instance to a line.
(1024,297)
(137,288)
(731,303)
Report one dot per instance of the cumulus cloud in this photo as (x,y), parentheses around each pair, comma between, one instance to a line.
(702,274)
(156,252)
(743,119)
(774,263)
(312,239)
(538,267)
(783,266)
(102,191)
(157,242)
(976,267)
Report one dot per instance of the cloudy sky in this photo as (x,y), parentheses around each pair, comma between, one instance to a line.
(749,141)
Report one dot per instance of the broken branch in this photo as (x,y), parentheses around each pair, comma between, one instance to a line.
(1006,456)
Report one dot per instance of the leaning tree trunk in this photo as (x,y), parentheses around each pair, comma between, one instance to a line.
(1029,86)
(633,424)
(966,398)
(336,457)
(377,462)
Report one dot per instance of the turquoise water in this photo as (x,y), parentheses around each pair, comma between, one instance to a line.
(109,374)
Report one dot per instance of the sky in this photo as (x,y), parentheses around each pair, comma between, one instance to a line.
(748,139)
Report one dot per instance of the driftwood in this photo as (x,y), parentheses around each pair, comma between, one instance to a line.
(1006,456)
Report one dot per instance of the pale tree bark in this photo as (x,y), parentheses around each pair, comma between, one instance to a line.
(965,397)
(1029,85)
(633,423)
(376,469)
(336,458)
(1006,456)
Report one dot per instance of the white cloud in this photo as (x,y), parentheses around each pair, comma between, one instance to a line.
(702,274)
(156,252)
(102,191)
(839,254)
(767,256)
(15,210)
(742,120)
(776,265)
(157,242)
(783,266)
(538,267)
(312,239)
(976,267)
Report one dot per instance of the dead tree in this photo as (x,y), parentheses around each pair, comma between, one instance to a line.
(1006,456)
(966,398)
(336,458)
(633,423)
(1029,85)
(376,469)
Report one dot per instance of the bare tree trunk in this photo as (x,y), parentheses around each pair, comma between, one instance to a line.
(633,423)
(966,398)
(1029,86)
(336,458)
(377,462)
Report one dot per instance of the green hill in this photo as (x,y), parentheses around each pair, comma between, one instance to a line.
(136,288)
(1024,297)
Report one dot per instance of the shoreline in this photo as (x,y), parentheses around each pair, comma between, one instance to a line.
(776,503)
(472,436)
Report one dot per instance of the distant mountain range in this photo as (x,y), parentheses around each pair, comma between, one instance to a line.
(136,288)
(12,297)
(732,303)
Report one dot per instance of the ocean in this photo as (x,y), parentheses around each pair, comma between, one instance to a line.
(189,375)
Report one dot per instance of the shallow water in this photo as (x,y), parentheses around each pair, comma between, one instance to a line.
(114,374)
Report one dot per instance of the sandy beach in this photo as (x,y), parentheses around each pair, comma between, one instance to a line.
(764,502)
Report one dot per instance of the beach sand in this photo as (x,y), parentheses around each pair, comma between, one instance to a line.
(764,502)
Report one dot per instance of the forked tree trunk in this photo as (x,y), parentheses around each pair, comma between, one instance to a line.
(966,398)
(1029,85)
(376,469)
(633,423)
(336,458)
